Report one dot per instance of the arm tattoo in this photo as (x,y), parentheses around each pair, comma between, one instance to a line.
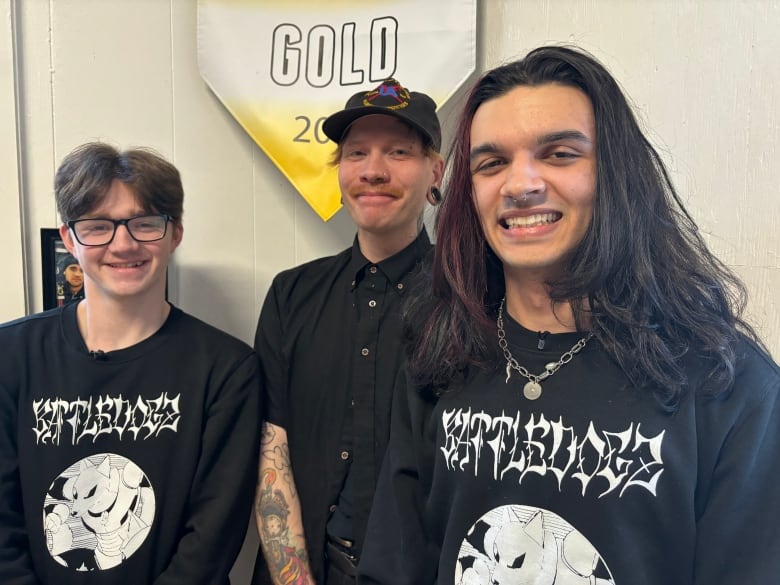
(279,457)
(286,563)
(267,434)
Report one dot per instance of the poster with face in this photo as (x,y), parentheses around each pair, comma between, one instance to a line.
(62,278)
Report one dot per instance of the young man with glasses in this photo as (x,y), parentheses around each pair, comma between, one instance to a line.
(329,338)
(128,429)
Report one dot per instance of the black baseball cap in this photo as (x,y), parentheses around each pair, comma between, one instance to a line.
(390,98)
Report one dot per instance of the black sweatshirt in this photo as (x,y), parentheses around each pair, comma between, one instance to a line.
(131,467)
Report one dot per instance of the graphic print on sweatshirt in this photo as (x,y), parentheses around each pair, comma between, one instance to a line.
(522,545)
(98,512)
(511,448)
(62,422)
(515,544)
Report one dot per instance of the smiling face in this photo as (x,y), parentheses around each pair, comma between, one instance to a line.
(124,268)
(533,166)
(385,176)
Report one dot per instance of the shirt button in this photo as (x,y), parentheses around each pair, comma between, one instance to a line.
(372,270)
(344,455)
(372,303)
(400,286)
(364,351)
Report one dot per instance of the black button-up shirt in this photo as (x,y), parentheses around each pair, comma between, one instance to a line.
(329,338)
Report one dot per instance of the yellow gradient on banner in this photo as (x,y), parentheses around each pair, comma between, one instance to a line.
(297,147)
(282,66)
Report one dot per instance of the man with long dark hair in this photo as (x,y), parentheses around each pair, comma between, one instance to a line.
(584,402)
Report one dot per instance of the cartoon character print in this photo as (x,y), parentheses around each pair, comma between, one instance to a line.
(98,512)
(522,545)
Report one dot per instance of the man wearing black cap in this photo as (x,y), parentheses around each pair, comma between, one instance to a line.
(329,338)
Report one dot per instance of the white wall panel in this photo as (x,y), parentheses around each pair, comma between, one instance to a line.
(36,144)
(112,73)
(10,210)
(215,264)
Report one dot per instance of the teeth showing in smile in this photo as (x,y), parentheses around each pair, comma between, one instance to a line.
(532,220)
(127,265)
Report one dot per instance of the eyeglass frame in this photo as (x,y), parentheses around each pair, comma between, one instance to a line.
(117,222)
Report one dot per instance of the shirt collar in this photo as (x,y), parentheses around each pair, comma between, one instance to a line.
(397,266)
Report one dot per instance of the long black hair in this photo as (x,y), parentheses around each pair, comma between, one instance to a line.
(642,278)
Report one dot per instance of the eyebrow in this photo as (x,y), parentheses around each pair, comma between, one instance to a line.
(563,135)
(492,147)
(485,148)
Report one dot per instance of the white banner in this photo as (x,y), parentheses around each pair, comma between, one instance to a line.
(281,67)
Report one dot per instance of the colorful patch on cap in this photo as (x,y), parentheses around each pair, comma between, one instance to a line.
(390,95)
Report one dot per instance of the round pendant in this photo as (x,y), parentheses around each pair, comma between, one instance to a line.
(532,390)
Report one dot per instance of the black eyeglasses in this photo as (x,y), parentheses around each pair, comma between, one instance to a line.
(101,231)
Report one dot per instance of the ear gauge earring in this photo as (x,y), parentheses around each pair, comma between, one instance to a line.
(436,195)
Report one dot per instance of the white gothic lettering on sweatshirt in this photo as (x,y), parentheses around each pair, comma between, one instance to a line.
(58,420)
(604,461)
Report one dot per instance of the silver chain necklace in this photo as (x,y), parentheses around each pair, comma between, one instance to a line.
(532,389)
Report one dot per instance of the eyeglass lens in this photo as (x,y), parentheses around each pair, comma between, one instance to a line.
(143,228)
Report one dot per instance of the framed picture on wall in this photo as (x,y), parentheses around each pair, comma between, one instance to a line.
(62,278)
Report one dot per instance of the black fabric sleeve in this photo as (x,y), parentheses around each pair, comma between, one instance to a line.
(269,346)
(739,530)
(222,491)
(15,563)
(398,549)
